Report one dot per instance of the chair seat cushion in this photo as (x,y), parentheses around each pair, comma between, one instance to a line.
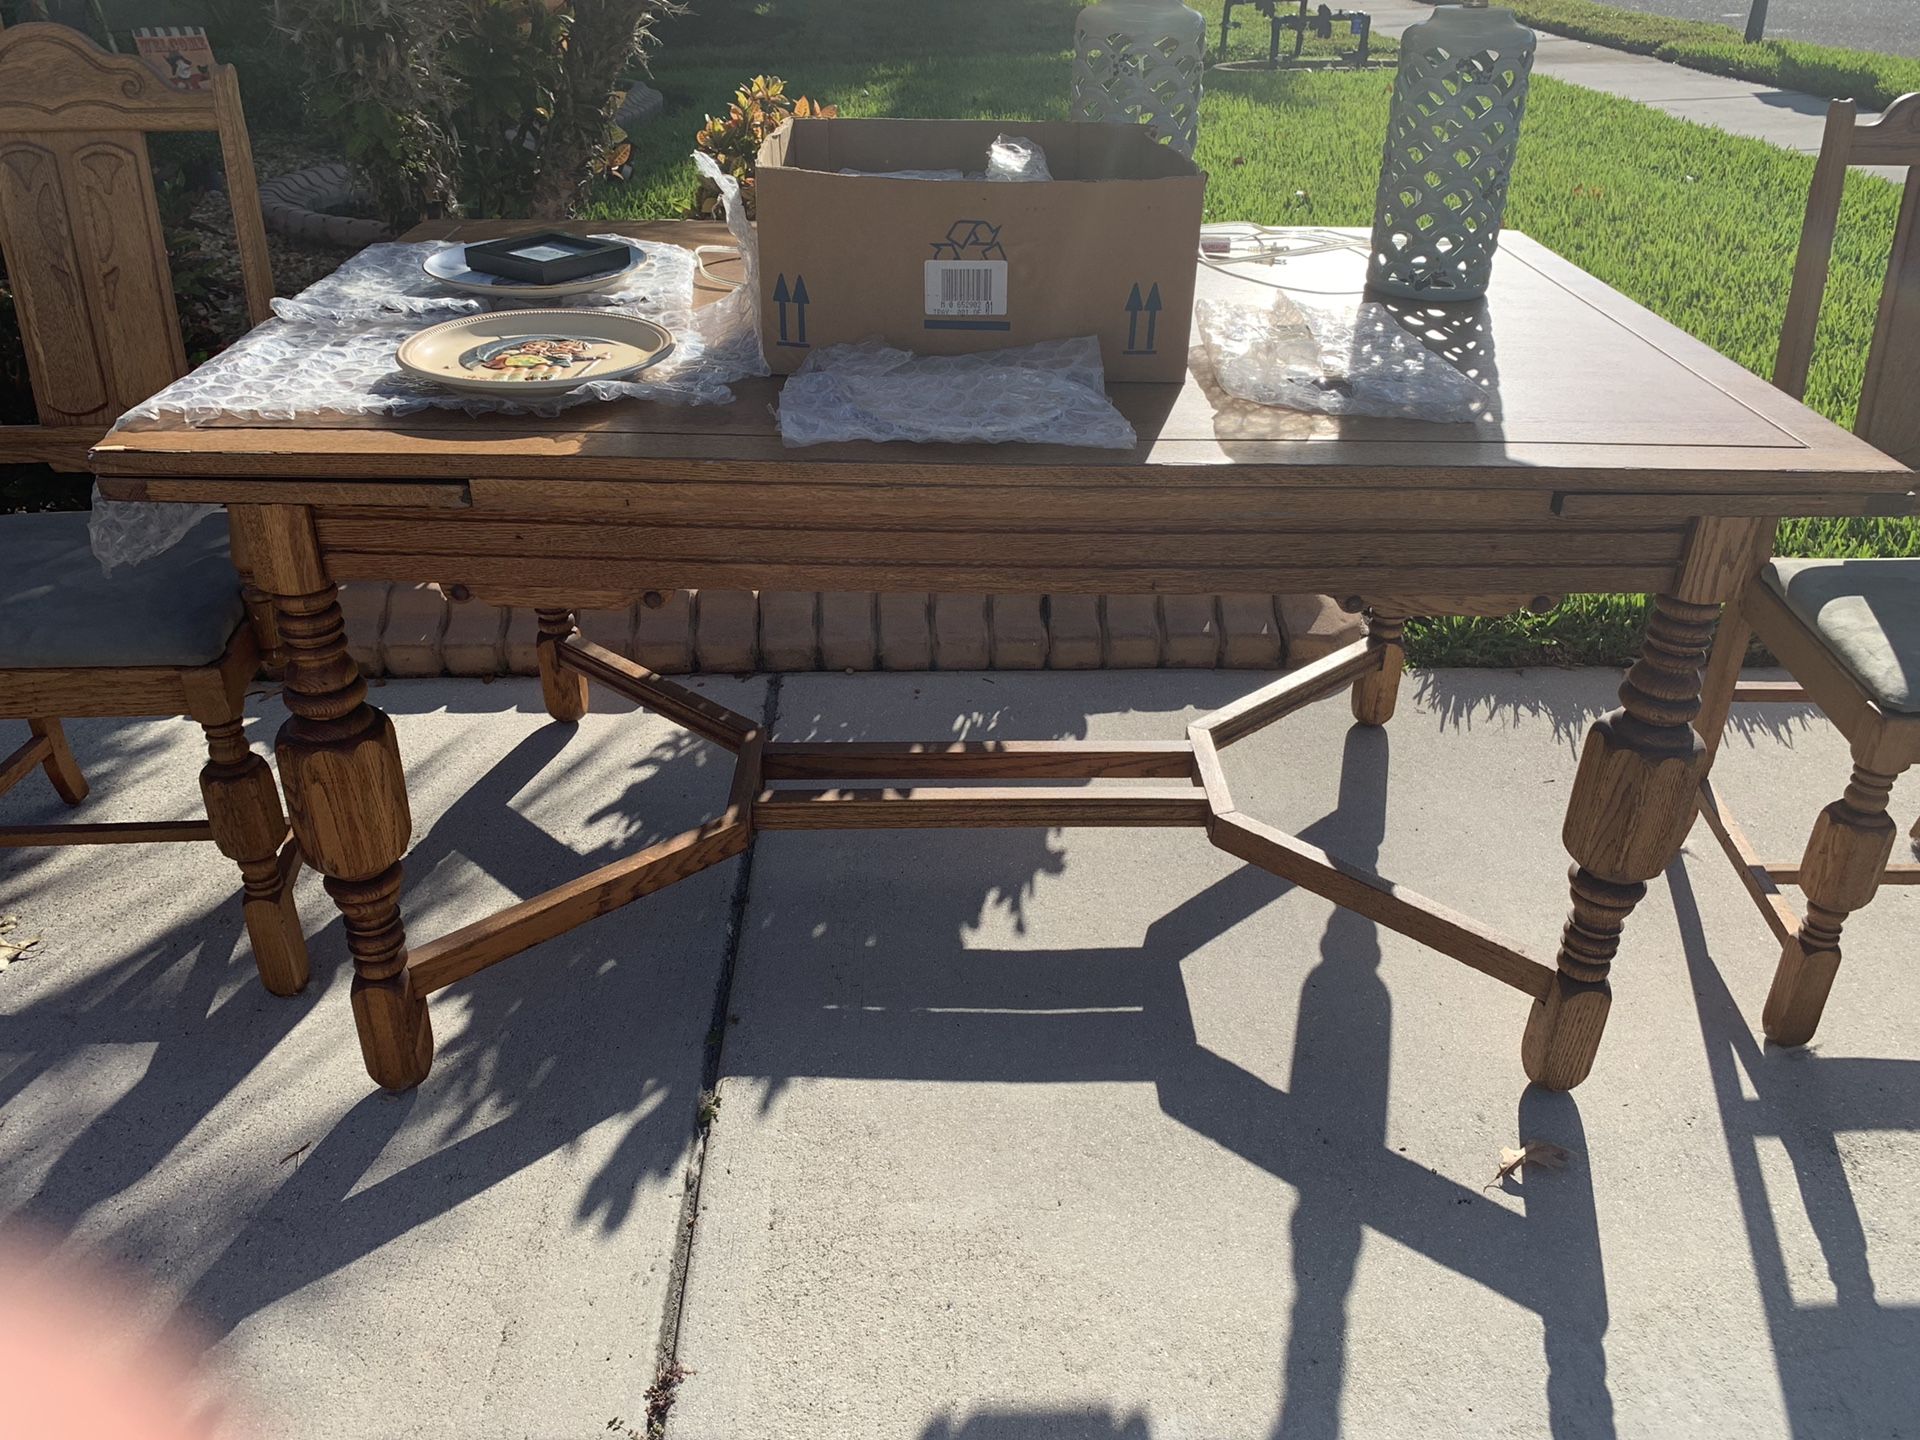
(1867,614)
(58,611)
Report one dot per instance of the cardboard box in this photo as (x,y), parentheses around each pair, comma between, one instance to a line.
(942,267)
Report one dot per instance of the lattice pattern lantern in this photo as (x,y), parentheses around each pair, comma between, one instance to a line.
(1451,138)
(1140,61)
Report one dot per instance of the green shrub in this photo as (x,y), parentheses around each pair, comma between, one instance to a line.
(273,81)
(477,107)
(373,82)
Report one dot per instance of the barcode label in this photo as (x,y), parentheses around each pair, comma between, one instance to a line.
(966,287)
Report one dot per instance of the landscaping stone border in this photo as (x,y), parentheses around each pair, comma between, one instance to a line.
(642,104)
(298,207)
(417,630)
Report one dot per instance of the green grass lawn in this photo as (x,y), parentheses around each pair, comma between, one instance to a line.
(1873,79)
(1697,225)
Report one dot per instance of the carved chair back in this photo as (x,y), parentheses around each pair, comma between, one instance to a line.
(1889,416)
(80,228)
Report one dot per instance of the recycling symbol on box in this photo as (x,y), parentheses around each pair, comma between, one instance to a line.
(970,239)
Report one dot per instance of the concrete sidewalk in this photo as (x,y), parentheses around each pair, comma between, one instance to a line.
(1099,1134)
(1021,1135)
(1787,118)
(490,1255)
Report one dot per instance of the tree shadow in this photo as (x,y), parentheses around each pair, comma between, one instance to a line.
(566,1043)
(939,1010)
(115,755)
(608,1032)
(1571,700)
(1845,1365)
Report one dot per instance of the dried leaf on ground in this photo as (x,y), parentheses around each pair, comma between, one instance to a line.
(11,950)
(1531,1152)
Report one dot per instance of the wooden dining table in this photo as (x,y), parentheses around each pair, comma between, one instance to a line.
(1615,453)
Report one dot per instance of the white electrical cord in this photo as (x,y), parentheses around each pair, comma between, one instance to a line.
(1228,245)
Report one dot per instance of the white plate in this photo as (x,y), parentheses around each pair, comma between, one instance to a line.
(449,266)
(532,353)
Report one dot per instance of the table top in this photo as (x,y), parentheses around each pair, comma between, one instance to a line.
(1591,393)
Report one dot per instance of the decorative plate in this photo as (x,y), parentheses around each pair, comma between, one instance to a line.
(448,265)
(532,352)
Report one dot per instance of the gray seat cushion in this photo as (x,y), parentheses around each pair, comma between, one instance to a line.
(58,610)
(1867,614)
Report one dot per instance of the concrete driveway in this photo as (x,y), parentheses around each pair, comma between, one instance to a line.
(1018,1134)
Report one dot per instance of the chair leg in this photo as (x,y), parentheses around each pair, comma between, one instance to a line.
(62,769)
(1377,692)
(1846,855)
(565,691)
(243,806)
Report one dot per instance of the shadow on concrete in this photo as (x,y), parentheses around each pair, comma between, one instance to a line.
(1845,1364)
(548,1053)
(115,755)
(1096,1424)
(1570,701)
(943,1012)
(1857,80)
(541,1059)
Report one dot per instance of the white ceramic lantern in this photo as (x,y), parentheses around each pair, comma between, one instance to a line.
(1451,138)
(1139,61)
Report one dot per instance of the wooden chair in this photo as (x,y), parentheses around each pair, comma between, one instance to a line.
(1847,630)
(169,637)
(84,251)
(80,229)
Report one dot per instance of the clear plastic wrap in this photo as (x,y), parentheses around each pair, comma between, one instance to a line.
(1348,358)
(729,328)
(1010,157)
(1014,157)
(385,282)
(279,372)
(125,532)
(1052,393)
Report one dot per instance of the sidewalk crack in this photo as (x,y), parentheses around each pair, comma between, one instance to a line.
(668,1372)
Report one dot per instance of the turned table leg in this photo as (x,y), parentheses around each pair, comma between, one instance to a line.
(1633,802)
(346,792)
(243,807)
(565,691)
(348,796)
(1377,692)
(1845,858)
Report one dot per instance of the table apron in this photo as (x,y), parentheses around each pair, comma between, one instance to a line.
(549,559)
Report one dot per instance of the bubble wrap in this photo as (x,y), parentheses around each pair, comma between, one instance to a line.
(1052,393)
(283,372)
(1349,359)
(1010,157)
(1016,158)
(729,328)
(331,352)
(385,282)
(125,532)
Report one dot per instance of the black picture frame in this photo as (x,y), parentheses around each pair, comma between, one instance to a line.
(550,257)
